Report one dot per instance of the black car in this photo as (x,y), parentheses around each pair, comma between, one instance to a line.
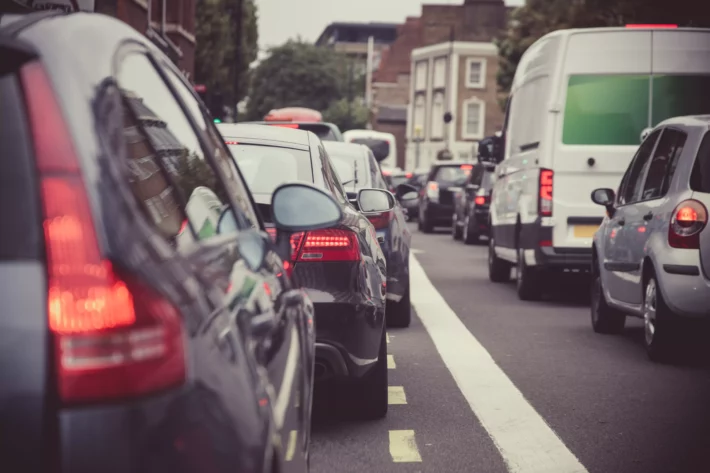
(342,268)
(323,130)
(471,204)
(358,169)
(148,322)
(436,198)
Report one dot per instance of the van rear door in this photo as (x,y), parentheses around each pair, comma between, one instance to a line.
(604,106)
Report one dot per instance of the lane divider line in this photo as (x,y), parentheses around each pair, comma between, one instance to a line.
(395,395)
(390,362)
(403,447)
(523,438)
(387,335)
(291,449)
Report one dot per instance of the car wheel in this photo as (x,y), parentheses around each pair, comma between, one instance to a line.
(470,237)
(456,231)
(399,314)
(528,280)
(660,329)
(370,394)
(604,318)
(498,269)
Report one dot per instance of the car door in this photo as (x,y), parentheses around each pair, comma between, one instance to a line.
(472,188)
(233,255)
(619,237)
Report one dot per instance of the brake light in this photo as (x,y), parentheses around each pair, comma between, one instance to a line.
(386,172)
(112,336)
(285,125)
(545,198)
(660,26)
(183,226)
(479,200)
(231,142)
(408,175)
(328,245)
(689,218)
(382,220)
(466,167)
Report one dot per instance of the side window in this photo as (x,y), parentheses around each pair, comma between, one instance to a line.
(477,175)
(661,167)
(233,181)
(378,181)
(331,177)
(700,177)
(633,180)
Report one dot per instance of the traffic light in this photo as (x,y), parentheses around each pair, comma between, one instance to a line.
(216,107)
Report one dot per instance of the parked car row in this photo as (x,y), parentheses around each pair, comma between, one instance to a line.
(173,289)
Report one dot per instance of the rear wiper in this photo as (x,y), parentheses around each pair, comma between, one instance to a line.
(354,180)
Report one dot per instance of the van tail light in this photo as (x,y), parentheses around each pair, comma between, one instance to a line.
(432,190)
(545,195)
(689,218)
(382,220)
(480,200)
(330,244)
(113,337)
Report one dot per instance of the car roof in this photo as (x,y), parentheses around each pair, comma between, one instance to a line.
(260,132)
(341,148)
(688,121)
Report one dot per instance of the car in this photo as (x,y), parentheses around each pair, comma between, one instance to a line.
(436,199)
(323,130)
(383,145)
(358,169)
(148,315)
(471,203)
(579,102)
(394,178)
(343,269)
(651,254)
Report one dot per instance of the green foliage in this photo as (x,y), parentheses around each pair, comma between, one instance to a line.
(193,172)
(297,74)
(539,17)
(347,115)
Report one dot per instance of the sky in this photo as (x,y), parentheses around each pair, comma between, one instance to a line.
(280,20)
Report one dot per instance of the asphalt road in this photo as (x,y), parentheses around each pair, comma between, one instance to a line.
(587,398)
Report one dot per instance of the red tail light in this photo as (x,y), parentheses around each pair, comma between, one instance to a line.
(382,220)
(231,142)
(480,200)
(327,245)
(545,198)
(113,337)
(688,220)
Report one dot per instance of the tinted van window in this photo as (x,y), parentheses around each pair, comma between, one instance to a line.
(679,95)
(267,167)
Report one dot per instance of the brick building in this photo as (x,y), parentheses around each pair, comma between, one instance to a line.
(168,23)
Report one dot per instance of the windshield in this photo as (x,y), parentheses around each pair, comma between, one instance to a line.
(452,175)
(267,167)
(380,148)
(614,109)
(346,166)
(323,132)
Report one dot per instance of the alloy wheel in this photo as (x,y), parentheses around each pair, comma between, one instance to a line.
(649,312)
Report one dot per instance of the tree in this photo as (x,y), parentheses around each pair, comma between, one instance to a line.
(351,115)
(296,74)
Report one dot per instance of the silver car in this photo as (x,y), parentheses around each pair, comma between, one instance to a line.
(651,255)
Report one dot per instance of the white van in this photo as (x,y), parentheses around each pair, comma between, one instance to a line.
(579,103)
(383,145)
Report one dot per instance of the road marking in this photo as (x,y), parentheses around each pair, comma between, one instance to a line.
(525,441)
(291,450)
(403,447)
(415,251)
(390,362)
(387,335)
(395,395)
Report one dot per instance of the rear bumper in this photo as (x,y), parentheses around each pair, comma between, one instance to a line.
(481,221)
(552,257)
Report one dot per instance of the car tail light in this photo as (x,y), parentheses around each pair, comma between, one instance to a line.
(688,220)
(480,200)
(432,190)
(113,337)
(545,198)
(327,245)
(381,220)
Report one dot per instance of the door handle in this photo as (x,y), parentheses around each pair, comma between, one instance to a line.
(648,216)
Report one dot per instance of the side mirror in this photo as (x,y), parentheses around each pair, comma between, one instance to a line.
(375,201)
(404,189)
(226,223)
(410,196)
(604,197)
(298,207)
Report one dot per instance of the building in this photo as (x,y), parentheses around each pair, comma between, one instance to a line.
(170,24)
(352,39)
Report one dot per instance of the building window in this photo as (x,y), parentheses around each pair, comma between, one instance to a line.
(476,73)
(440,72)
(437,116)
(420,75)
(474,111)
(419,116)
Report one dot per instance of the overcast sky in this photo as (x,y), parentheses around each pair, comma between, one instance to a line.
(280,20)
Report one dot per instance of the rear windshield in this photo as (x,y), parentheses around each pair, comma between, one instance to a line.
(324,132)
(267,167)
(352,171)
(614,109)
(700,178)
(452,175)
(380,148)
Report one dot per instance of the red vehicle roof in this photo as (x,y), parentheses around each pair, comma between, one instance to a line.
(294,114)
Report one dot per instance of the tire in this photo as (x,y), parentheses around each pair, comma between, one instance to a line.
(425,226)
(604,318)
(528,280)
(399,314)
(456,230)
(370,393)
(661,330)
(498,269)
(470,237)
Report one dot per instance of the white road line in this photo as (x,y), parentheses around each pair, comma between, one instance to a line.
(403,447)
(388,337)
(525,441)
(395,395)
(415,251)
(291,449)
(390,362)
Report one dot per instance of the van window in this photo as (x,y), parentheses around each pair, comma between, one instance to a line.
(679,95)
(380,148)
(606,109)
